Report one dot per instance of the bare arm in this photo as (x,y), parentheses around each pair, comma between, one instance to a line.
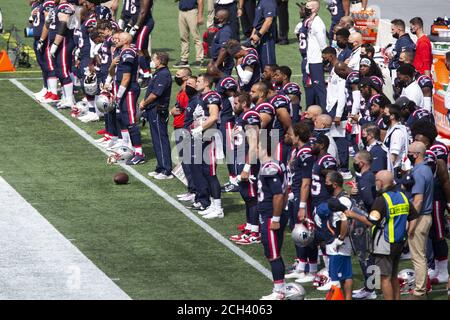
(143,12)
(285,119)
(346,5)
(63,18)
(200,11)
(252,139)
(125,80)
(213,116)
(265,120)
(418,201)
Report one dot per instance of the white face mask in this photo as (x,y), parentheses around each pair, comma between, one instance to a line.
(334,44)
(231,99)
(152,65)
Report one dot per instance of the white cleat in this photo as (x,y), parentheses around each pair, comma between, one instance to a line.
(208,210)
(217,213)
(39,95)
(305,278)
(102,140)
(107,143)
(274,296)
(153,174)
(65,104)
(294,275)
(363,294)
(325,287)
(162,176)
(89,117)
(187,198)
(115,146)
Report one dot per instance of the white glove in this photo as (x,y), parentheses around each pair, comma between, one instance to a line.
(40,45)
(318,221)
(76,54)
(53,50)
(336,244)
(134,30)
(197,132)
(250,178)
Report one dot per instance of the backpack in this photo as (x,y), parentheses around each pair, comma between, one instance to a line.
(208,37)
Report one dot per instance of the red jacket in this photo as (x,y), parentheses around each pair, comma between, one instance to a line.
(423,58)
(182,103)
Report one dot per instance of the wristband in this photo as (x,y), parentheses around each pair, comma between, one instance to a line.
(121,92)
(247,168)
(302,205)
(276,219)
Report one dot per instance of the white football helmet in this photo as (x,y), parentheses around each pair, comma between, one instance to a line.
(121,154)
(406,280)
(90,85)
(80,109)
(103,102)
(303,233)
(295,291)
(322,278)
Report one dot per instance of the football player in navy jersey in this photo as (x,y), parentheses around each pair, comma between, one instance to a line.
(352,79)
(301,165)
(130,13)
(127,92)
(273,183)
(370,138)
(282,79)
(141,31)
(376,105)
(282,124)
(338,9)
(206,117)
(423,132)
(60,24)
(247,63)
(227,88)
(246,133)
(39,13)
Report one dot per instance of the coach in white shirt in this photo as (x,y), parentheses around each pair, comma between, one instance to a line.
(411,89)
(396,139)
(336,102)
(354,42)
(316,42)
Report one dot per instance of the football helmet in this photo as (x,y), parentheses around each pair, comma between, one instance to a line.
(103,102)
(121,154)
(80,109)
(322,278)
(295,291)
(303,233)
(90,84)
(406,280)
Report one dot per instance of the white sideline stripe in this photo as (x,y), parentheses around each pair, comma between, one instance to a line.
(155,188)
(39,263)
(6,79)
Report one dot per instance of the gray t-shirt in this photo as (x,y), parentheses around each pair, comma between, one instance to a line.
(423,184)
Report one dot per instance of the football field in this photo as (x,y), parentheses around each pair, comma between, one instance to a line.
(137,234)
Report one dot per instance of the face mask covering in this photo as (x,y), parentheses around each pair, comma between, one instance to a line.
(364,56)
(413,31)
(386,120)
(396,35)
(364,141)
(308,12)
(342,45)
(152,65)
(329,188)
(179,81)
(334,44)
(357,167)
(411,158)
(190,91)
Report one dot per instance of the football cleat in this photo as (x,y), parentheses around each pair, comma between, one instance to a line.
(89,117)
(207,210)
(243,235)
(241,227)
(102,132)
(162,176)
(217,213)
(108,143)
(189,197)
(252,238)
(65,104)
(274,296)
(103,139)
(305,278)
(183,195)
(39,95)
(153,174)
(363,294)
(196,206)
(137,159)
(50,98)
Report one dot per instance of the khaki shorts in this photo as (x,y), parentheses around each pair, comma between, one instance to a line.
(388,264)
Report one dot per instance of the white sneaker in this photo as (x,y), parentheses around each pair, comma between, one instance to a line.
(183,195)
(187,198)
(433,273)
(152,174)
(217,213)
(208,210)
(162,176)
(294,275)
(439,278)
(363,294)
(305,278)
(274,296)
(89,117)
(325,287)
(108,143)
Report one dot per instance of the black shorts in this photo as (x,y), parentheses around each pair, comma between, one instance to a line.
(388,264)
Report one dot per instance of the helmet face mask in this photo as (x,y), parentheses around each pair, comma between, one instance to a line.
(406,280)
(321,278)
(295,291)
(90,85)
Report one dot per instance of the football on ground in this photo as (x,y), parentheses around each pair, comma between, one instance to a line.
(121,178)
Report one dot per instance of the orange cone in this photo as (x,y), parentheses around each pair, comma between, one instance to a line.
(5,63)
(335,293)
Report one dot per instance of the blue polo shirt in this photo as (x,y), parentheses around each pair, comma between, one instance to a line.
(186,5)
(403,43)
(379,157)
(160,85)
(423,184)
(220,39)
(345,54)
(366,189)
(265,9)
